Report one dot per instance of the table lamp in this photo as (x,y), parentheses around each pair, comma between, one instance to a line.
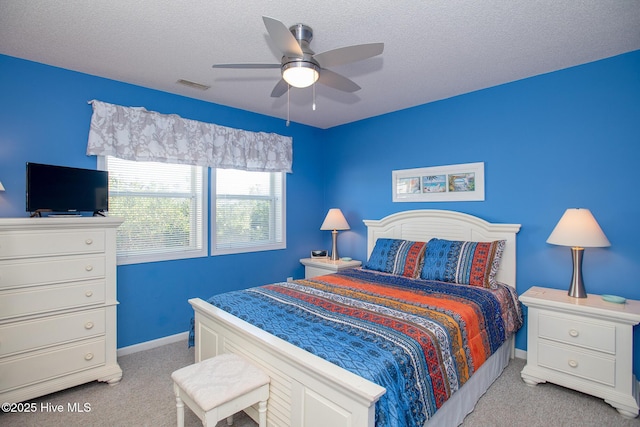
(334,221)
(578,229)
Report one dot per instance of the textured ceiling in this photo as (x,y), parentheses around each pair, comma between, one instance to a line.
(434,49)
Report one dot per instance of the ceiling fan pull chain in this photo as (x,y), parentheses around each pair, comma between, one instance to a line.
(314,97)
(288,90)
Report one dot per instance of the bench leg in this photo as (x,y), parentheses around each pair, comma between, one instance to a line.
(180,411)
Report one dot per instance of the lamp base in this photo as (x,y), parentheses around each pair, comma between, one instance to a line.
(577,290)
(334,246)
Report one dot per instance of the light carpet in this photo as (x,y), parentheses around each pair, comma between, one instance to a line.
(145,397)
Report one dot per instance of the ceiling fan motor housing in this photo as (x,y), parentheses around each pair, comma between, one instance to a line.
(302,32)
(300,66)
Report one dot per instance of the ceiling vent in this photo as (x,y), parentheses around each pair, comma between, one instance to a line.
(193,85)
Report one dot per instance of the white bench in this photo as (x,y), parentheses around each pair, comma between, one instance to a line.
(219,387)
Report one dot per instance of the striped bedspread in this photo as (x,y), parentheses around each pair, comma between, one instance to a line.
(421,340)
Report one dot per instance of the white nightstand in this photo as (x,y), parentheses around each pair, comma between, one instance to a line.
(319,266)
(585,344)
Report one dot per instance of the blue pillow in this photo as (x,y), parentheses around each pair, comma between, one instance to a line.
(397,256)
(465,263)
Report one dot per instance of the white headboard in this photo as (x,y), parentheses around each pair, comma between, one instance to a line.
(423,225)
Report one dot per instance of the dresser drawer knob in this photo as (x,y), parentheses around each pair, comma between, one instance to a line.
(89,294)
(573,363)
(88,325)
(88,241)
(573,333)
(89,267)
(88,356)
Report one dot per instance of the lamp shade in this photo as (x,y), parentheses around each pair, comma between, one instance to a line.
(578,228)
(1,187)
(335,221)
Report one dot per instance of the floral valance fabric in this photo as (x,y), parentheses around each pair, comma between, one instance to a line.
(134,133)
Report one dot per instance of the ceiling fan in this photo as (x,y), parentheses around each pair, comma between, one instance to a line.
(301,67)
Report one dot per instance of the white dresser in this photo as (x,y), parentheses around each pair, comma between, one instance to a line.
(57,304)
(582,343)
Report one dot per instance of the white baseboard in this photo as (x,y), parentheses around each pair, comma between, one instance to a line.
(521,354)
(148,345)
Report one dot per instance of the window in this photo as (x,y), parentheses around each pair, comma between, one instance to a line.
(165,210)
(248,211)
(164,207)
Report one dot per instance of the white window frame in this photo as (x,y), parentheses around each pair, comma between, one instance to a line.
(172,254)
(247,248)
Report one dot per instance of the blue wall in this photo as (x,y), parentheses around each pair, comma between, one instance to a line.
(565,139)
(44,117)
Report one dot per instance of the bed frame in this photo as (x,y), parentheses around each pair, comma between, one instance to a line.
(305,389)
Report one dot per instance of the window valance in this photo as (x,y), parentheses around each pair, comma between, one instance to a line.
(134,133)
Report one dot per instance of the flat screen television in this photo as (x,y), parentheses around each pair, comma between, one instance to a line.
(66,190)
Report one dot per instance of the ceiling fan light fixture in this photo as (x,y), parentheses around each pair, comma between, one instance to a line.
(300,73)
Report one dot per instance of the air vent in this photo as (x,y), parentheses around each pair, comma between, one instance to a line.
(193,85)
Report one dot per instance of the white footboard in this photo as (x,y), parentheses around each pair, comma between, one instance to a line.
(305,390)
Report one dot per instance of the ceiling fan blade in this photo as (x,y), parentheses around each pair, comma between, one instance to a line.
(344,55)
(254,66)
(282,37)
(280,89)
(337,81)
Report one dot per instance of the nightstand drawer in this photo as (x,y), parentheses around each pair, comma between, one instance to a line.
(577,331)
(577,363)
(310,272)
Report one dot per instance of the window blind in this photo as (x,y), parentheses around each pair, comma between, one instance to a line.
(249,211)
(163,206)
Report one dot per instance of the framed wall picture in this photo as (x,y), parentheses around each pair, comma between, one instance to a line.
(463,182)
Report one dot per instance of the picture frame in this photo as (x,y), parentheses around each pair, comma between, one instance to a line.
(461,182)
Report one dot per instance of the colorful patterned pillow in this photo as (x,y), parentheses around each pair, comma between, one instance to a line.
(397,256)
(465,263)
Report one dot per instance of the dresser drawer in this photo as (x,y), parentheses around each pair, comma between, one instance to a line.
(41,366)
(50,243)
(41,299)
(35,334)
(50,270)
(577,331)
(570,360)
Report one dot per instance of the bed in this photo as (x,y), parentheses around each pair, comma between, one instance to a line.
(311,391)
